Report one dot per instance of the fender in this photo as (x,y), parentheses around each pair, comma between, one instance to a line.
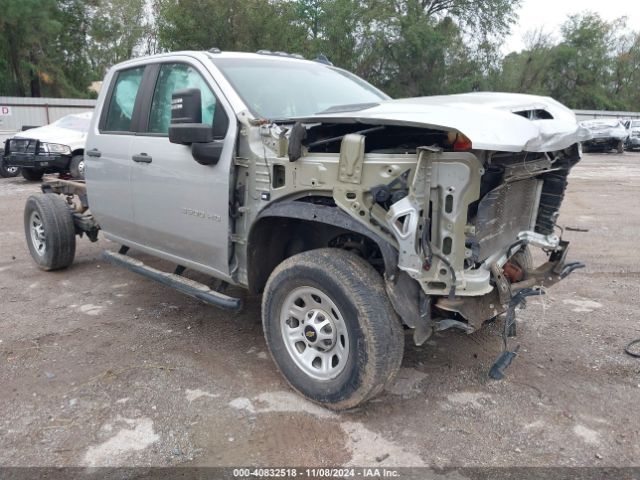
(403,291)
(332,216)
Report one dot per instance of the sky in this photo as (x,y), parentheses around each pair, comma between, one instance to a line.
(550,14)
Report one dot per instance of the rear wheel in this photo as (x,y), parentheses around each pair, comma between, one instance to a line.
(76,167)
(48,226)
(32,175)
(330,327)
(8,172)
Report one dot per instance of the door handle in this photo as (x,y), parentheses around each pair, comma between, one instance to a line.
(142,158)
(94,152)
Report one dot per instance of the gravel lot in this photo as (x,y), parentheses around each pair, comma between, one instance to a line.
(102,367)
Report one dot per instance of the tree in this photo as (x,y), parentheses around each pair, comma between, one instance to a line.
(526,71)
(442,46)
(582,63)
(405,47)
(116,31)
(27,27)
(67,51)
(249,25)
(595,65)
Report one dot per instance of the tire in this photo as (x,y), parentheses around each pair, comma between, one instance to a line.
(32,175)
(364,342)
(8,172)
(48,226)
(620,147)
(76,167)
(523,258)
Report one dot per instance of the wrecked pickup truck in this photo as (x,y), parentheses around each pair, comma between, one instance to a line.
(357,216)
(606,134)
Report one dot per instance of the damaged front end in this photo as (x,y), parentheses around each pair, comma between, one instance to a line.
(462,187)
(463,230)
(463,223)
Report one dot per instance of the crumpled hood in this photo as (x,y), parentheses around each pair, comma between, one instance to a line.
(52,134)
(486,118)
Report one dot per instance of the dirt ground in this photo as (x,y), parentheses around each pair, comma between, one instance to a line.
(102,367)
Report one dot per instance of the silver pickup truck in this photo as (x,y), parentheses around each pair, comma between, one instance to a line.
(360,218)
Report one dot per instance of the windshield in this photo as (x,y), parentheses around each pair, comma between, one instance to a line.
(74,122)
(277,89)
(635,124)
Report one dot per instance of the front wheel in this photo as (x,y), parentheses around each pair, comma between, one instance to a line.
(330,327)
(620,146)
(50,232)
(8,172)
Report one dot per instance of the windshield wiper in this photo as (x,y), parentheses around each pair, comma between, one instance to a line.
(353,107)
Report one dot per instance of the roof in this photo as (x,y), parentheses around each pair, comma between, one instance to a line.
(213,54)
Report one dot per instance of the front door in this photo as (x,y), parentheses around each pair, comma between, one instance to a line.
(181,208)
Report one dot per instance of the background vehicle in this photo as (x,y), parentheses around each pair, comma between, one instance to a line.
(633,130)
(606,135)
(355,215)
(54,148)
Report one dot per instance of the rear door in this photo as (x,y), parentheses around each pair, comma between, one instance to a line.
(181,208)
(108,161)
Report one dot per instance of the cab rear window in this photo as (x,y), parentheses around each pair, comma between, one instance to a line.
(123,100)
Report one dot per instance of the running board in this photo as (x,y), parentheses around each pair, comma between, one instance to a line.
(185,285)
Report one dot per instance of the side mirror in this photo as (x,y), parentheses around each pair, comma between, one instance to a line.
(207,153)
(186,118)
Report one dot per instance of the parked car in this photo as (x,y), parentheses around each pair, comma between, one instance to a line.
(633,132)
(357,216)
(606,135)
(54,148)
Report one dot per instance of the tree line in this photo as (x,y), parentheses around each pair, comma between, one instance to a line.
(405,47)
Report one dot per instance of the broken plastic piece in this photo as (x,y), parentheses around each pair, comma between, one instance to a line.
(570,267)
(501,363)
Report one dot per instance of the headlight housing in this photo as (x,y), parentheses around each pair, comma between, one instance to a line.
(54,148)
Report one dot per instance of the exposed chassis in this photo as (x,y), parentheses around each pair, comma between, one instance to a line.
(85,224)
(83,221)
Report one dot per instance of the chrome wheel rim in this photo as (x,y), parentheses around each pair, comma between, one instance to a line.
(314,333)
(81,167)
(36,228)
(11,170)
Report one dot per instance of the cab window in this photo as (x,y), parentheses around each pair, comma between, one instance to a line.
(172,77)
(123,100)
